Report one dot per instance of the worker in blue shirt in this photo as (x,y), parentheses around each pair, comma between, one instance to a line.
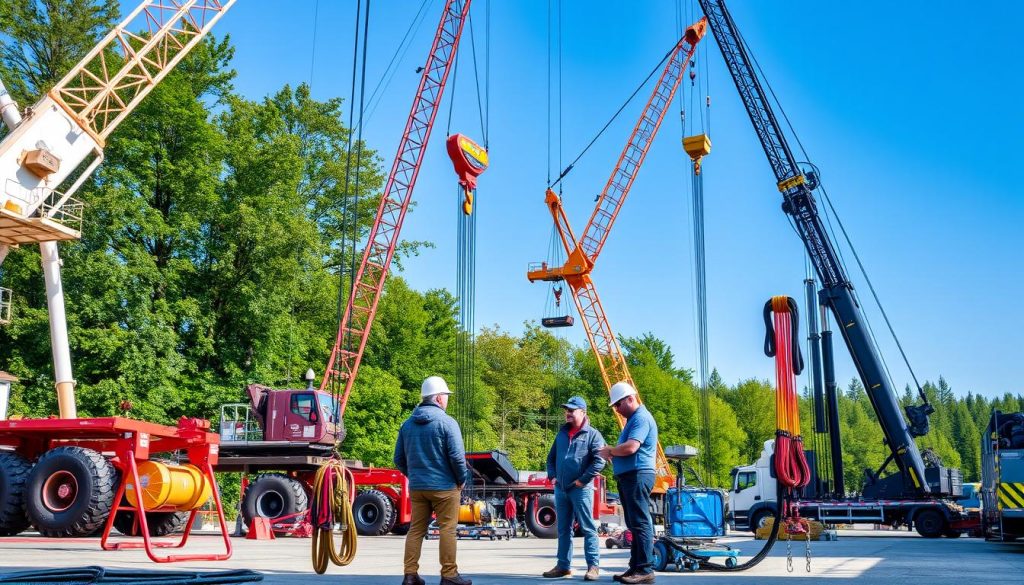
(633,464)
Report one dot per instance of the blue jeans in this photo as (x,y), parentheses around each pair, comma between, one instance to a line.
(576,504)
(635,493)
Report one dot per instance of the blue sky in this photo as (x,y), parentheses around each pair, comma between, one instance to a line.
(910,109)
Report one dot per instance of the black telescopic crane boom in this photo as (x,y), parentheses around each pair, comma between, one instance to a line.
(837,291)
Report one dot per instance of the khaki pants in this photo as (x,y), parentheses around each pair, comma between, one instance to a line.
(444,503)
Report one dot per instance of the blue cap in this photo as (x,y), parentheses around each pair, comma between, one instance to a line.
(575,402)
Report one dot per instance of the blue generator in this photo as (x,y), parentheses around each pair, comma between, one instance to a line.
(695,512)
(694,518)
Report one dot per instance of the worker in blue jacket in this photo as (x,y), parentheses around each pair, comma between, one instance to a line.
(573,462)
(429,451)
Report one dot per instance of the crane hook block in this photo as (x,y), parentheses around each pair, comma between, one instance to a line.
(470,159)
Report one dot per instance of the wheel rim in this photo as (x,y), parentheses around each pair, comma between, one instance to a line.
(368,514)
(60,491)
(546,516)
(270,505)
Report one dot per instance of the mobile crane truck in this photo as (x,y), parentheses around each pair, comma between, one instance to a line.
(914,494)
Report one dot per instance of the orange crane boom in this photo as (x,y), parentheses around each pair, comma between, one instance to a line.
(582,254)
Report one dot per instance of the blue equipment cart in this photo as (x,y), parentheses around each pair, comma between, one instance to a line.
(694,519)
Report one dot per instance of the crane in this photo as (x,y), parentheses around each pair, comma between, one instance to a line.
(837,291)
(70,126)
(583,253)
(368,283)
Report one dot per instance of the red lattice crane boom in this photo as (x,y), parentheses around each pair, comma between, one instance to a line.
(583,253)
(354,328)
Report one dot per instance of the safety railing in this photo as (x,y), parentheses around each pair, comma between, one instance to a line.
(238,425)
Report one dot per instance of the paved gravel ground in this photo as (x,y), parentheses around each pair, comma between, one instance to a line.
(882,558)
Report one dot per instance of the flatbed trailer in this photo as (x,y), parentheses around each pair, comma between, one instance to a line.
(67,477)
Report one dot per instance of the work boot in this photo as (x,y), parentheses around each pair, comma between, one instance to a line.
(557,573)
(592,573)
(456,580)
(638,578)
(413,579)
(629,572)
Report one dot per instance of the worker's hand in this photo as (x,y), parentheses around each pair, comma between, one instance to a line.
(577,483)
(605,452)
(460,486)
(554,481)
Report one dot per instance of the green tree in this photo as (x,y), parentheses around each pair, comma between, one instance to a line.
(373,417)
(41,40)
(515,371)
(727,440)
(967,442)
(753,401)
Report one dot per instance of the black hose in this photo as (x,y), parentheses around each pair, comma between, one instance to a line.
(94,574)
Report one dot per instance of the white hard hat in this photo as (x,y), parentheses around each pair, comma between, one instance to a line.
(434,385)
(619,391)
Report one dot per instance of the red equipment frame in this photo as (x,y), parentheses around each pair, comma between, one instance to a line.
(131,441)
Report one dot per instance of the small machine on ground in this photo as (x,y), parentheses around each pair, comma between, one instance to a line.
(694,519)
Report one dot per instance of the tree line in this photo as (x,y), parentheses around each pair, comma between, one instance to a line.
(214,249)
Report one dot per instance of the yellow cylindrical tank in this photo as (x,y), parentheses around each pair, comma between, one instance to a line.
(182,487)
(475,513)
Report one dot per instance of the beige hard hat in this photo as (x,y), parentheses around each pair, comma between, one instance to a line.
(434,385)
(620,390)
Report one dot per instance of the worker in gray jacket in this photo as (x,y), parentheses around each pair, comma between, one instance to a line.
(573,462)
(430,453)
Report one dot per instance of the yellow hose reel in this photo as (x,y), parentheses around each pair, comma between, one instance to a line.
(182,487)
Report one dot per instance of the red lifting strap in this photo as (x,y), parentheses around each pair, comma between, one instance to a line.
(782,341)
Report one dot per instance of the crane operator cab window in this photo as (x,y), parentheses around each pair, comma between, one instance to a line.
(328,406)
(744,480)
(304,405)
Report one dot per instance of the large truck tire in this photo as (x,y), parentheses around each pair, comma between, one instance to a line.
(540,516)
(273,496)
(160,523)
(760,518)
(70,492)
(374,513)
(929,523)
(14,470)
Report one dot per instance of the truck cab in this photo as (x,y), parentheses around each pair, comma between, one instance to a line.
(283,418)
(752,497)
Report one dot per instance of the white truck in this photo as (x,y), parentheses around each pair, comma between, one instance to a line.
(752,502)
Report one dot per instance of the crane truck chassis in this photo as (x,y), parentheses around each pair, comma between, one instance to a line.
(279,439)
(752,501)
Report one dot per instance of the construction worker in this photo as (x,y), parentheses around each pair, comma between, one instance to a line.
(524,529)
(573,462)
(430,453)
(510,512)
(633,463)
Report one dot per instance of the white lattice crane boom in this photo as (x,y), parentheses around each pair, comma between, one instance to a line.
(69,126)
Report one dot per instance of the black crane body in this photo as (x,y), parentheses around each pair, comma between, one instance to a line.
(837,291)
